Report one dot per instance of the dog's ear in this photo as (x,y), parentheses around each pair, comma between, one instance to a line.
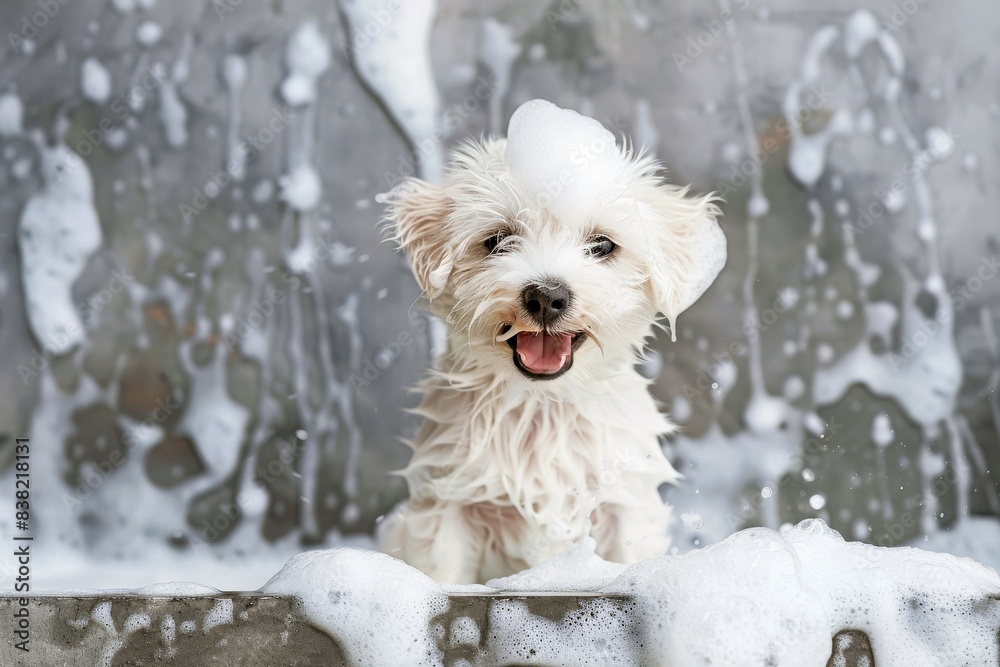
(687,252)
(416,217)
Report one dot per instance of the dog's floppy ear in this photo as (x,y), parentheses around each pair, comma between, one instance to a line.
(416,216)
(688,249)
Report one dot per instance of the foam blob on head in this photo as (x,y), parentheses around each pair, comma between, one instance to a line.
(569,160)
(575,169)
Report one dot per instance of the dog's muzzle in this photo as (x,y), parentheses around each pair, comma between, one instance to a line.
(541,355)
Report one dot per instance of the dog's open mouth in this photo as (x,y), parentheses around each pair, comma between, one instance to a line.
(542,355)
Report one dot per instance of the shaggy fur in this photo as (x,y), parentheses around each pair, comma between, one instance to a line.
(508,470)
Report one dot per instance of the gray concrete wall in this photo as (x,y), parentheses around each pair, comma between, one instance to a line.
(263,630)
(160,341)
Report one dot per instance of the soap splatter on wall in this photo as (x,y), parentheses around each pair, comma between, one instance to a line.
(210,346)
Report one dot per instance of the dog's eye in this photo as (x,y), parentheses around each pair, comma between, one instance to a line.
(600,246)
(492,242)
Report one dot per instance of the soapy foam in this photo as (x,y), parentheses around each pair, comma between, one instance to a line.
(766,598)
(717,468)
(11,121)
(58,232)
(347,593)
(595,634)
(395,63)
(302,190)
(101,616)
(220,614)
(234,73)
(646,136)
(149,33)
(95,80)
(573,166)
(925,387)
(578,568)
(11,115)
(499,51)
(177,589)
(759,597)
(569,160)
(307,57)
(172,113)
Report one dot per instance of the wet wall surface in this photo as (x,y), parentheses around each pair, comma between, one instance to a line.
(245,341)
(249,629)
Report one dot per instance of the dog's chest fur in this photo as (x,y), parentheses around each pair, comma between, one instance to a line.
(524,462)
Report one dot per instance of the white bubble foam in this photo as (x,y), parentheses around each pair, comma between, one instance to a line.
(568,160)
(95,80)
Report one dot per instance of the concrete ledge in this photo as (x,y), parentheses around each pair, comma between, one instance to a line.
(249,629)
(230,629)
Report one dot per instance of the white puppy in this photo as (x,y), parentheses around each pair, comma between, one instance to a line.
(548,255)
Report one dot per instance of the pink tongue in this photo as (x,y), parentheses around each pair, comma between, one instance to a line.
(543,352)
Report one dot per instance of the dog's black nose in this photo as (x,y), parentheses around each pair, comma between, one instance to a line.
(544,303)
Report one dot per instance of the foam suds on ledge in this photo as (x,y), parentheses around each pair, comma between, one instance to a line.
(579,568)
(378,608)
(759,597)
